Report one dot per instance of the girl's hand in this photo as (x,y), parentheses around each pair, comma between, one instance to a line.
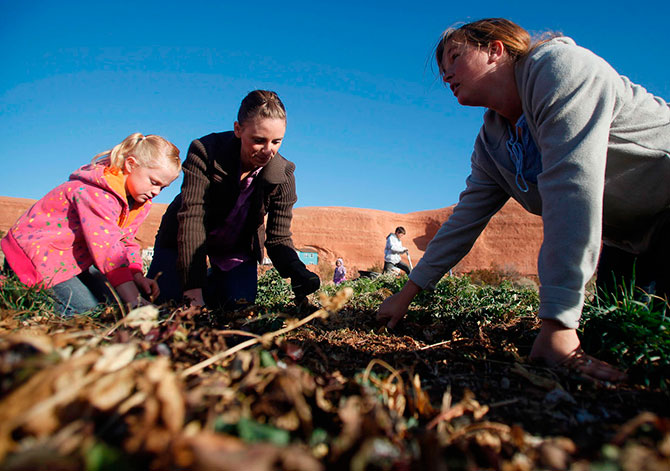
(130,294)
(147,286)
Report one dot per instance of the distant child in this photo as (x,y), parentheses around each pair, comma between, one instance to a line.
(340,274)
(82,233)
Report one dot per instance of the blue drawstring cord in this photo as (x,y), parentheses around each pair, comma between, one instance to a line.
(515,150)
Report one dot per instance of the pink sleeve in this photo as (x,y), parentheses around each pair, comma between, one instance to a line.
(133,249)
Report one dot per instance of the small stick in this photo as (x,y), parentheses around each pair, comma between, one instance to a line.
(248,343)
(152,298)
(435,345)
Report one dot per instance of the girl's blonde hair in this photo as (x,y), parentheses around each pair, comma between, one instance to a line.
(261,104)
(149,151)
(482,33)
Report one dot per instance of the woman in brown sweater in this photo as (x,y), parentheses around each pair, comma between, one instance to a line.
(232,180)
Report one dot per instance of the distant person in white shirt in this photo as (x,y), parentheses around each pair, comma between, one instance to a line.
(393,250)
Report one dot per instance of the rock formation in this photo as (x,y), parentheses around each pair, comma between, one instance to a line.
(511,240)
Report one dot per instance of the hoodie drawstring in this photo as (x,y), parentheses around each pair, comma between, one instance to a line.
(515,150)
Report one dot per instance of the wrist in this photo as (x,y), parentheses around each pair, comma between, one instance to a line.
(552,325)
(408,292)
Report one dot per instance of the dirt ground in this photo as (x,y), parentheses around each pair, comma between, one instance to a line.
(421,397)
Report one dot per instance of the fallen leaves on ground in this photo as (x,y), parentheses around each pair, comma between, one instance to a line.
(209,391)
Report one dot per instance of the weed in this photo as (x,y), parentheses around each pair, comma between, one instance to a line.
(631,329)
(274,293)
(325,270)
(16,296)
(497,275)
(456,300)
(369,292)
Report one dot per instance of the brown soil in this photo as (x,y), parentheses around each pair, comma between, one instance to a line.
(475,400)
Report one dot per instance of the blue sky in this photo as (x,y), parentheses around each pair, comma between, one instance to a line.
(369,124)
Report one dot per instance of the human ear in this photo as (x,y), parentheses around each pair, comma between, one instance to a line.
(237,129)
(496,50)
(129,164)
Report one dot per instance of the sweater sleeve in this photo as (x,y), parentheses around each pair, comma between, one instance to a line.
(569,95)
(106,242)
(191,235)
(279,243)
(481,199)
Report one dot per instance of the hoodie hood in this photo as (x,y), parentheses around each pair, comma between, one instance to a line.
(110,180)
(104,177)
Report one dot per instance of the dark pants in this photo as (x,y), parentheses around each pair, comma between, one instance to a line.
(388,267)
(223,289)
(649,271)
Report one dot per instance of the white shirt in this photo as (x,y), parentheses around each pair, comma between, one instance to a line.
(393,249)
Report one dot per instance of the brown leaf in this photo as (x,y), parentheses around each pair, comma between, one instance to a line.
(207,451)
(40,342)
(144,317)
(111,389)
(173,410)
(115,357)
(541,381)
(157,369)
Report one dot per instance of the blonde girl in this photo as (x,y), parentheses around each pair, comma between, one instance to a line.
(82,233)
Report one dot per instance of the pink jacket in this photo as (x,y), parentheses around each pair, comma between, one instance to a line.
(85,221)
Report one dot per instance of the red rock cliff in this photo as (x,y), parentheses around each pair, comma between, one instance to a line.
(511,240)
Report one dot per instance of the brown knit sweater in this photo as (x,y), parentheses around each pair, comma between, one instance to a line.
(208,193)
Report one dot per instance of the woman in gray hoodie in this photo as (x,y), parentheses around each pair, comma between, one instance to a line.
(573,141)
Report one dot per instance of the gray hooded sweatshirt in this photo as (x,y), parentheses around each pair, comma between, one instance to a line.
(605,173)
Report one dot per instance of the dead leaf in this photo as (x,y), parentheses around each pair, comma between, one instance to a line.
(40,342)
(144,317)
(169,392)
(115,357)
(541,381)
(111,389)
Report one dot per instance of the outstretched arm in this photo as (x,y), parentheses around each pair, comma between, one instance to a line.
(482,198)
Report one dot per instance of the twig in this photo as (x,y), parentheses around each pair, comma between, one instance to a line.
(114,327)
(435,345)
(241,346)
(118,300)
(393,371)
(504,403)
(226,333)
(152,298)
